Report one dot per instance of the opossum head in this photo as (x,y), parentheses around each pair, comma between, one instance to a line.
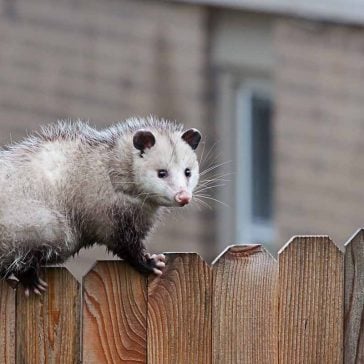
(165,166)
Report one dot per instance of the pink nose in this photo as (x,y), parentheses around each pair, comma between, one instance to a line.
(183,198)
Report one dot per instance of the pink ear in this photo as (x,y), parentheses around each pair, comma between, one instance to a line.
(143,139)
(192,137)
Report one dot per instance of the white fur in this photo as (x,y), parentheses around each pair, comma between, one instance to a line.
(51,161)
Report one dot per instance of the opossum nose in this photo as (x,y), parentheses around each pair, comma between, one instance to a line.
(183,198)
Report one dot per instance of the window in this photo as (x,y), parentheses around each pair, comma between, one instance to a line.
(254,209)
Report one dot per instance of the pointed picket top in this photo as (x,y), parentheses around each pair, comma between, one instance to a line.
(356,238)
(308,239)
(95,265)
(354,299)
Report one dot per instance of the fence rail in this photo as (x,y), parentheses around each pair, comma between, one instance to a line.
(247,307)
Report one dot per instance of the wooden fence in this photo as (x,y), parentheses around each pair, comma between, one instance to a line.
(307,307)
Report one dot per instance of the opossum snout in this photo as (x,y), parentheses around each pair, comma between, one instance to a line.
(183,198)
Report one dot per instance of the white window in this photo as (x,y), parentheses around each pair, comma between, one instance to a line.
(254,182)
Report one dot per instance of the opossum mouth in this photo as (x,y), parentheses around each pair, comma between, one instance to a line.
(181,204)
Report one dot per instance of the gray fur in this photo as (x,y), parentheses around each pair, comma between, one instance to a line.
(70,186)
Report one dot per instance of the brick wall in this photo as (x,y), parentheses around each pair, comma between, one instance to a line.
(319,128)
(105,60)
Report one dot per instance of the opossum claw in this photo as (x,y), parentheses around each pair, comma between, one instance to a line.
(43,283)
(41,288)
(160,264)
(157,272)
(160,257)
(12,281)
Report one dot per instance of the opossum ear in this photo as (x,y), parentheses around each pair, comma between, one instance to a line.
(192,137)
(143,139)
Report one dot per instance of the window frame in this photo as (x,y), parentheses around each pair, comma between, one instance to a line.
(246,228)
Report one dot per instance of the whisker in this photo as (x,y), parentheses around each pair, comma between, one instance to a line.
(211,181)
(196,199)
(202,152)
(213,199)
(213,168)
(209,153)
(209,187)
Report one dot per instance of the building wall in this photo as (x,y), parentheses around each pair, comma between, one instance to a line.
(241,52)
(319,125)
(103,61)
(316,71)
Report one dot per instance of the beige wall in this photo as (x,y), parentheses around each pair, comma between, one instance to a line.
(241,50)
(105,60)
(319,128)
(316,71)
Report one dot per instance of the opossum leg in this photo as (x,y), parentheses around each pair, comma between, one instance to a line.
(136,256)
(31,281)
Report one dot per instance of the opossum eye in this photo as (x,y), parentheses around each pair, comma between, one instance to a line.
(187,172)
(162,173)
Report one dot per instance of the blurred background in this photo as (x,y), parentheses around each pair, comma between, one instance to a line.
(276,87)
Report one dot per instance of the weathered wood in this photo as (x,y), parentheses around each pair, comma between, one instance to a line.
(7,324)
(48,327)
(354,300)
(114,314)
(179,312)
(244,312)
(311,301)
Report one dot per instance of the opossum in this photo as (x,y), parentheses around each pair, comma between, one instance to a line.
(70,186)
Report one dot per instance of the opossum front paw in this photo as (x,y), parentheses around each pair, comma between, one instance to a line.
(156,263)
(32,283)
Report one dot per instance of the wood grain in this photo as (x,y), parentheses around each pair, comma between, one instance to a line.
(311,301)
(114,313)
(7,324)
(354,300)
(179,312)
(244,312)
(48,327)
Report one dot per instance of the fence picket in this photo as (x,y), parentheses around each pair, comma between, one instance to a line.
(7,326)
(179,312)
(244,312)
(48,327)
(354,300)
(311,302)
(114,314)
